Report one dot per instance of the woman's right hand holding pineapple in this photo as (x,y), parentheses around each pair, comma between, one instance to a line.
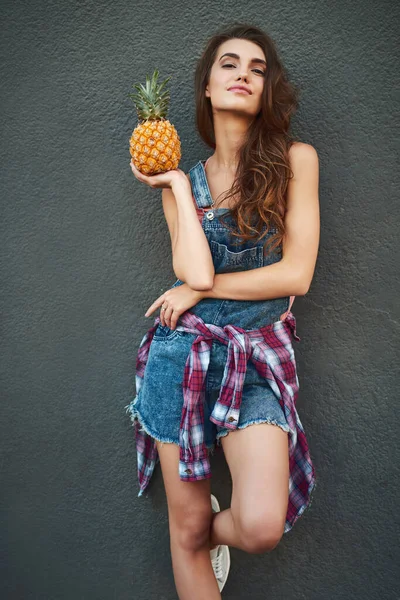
(167,179)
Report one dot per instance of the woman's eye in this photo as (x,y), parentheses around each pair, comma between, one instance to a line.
(257,70)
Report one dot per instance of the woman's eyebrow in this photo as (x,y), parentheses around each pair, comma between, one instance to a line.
(253,60)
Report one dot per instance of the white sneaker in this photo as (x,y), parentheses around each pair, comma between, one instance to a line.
(220,556)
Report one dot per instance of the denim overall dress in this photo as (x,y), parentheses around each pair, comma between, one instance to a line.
(158,406)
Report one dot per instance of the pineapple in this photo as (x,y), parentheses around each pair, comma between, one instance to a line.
(154,145)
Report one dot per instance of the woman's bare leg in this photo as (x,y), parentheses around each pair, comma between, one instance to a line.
(189,513)
(258,459)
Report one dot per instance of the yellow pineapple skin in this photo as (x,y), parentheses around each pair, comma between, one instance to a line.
(155,147)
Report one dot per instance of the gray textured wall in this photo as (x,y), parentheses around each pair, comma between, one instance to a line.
(85,250)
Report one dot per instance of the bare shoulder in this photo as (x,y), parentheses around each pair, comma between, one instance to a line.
(302,219)
(303,186)
(301,156)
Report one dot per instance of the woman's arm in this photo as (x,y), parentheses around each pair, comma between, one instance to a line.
(191,257)
(292,275)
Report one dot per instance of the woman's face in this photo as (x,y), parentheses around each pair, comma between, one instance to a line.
(243,69)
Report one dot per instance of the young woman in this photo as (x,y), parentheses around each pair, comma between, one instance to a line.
(218,365)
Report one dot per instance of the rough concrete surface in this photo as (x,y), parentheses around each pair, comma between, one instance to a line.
(85,250)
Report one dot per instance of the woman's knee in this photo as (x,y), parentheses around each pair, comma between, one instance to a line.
(259,532)
(190,526)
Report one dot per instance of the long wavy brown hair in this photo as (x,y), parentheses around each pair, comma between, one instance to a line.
(263,170)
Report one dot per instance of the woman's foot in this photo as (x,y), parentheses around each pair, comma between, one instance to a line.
(220,556)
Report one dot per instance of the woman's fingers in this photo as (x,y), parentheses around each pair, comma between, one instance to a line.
(142,178)
(174,320)
(153,306)
(166,314)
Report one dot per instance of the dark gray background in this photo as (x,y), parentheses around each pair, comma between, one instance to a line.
(85,250)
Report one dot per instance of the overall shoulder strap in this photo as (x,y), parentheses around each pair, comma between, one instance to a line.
(201,192)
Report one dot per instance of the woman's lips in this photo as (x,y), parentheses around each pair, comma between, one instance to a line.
(239,91)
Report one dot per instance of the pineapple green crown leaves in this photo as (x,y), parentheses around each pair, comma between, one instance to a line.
(151,101)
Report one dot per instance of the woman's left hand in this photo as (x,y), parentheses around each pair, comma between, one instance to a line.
(175,301)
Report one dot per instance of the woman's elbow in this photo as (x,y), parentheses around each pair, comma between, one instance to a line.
(197,283)
(302,286)
(200,285)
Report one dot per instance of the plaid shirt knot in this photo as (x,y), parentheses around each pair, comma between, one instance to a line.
(270,350)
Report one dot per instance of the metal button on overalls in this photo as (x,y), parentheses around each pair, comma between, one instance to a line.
(210,215)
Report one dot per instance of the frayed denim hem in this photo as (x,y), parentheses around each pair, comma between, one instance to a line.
(136,417)
(224,432)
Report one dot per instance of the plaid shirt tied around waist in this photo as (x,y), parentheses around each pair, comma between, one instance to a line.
(271,351)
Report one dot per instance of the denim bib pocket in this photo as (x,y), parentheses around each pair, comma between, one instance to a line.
(227,261)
